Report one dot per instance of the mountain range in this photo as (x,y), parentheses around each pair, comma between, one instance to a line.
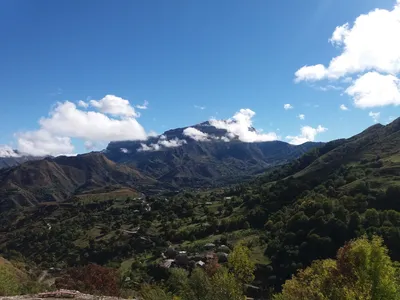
(290,215)
(181,161)
(202,159)
(170,161)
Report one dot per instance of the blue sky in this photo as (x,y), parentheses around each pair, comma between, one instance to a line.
(223,55)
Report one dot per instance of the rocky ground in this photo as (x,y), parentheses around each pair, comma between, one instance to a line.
(60,294)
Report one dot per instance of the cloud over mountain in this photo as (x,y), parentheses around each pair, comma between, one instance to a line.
(307,134)
(241,126)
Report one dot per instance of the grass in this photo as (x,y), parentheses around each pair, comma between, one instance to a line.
(119,194)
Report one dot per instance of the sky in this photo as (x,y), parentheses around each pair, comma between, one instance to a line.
(75,75)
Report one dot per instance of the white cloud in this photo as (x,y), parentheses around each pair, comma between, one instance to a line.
(370,48)
(301,116)
(89,145)
(152,133)
(124,150)
(151,147)
(115,106)
(343,107)
(145,105)
(372,43)
(200,107)
(311,73)
(375,116)
(66,121)
(42,142)
(162,142)
(7,151)
(195,134)
(240,126)
(172,143)
(83,104)
(329,87)
(287,106)
(225,139)
(347,80)
(307,134)
(373,89)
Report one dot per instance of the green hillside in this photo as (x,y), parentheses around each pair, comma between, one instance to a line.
(288,217)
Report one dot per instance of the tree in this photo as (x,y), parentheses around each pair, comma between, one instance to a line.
(178,280)
(199,287)
(225,286)
(212,265)
(362,270)
(93,279)
(240,265)
(154,292)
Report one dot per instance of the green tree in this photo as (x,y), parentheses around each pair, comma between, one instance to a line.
(225,286)
(199,287)
(154,292)
(178,280)
(240,264)
(363,270)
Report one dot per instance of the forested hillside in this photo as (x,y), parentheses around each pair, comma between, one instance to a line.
(288,218)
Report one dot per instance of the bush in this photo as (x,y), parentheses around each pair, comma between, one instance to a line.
(92,279)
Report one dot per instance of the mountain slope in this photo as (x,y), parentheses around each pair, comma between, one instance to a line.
(203,162)
(376,149)
(60,178)
(12,161)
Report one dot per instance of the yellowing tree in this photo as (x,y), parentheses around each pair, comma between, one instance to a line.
(225,286)
(363,271)
(240,264)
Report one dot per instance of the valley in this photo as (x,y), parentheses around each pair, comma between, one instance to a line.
(122,211)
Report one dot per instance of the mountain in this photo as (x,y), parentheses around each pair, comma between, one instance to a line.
(10,158)
(179,159)
(58,179)
(375,152)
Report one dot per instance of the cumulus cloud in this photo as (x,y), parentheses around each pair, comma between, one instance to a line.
(311,73)
(7,151)
(287,106)
(41,143)
(115,106)
(370,48)
(343,107)
(307,134)
(83,104)
(301,116)
(145,105)
(195,134)
(200,107)
(240,126)
(374,89)
(66,121)
(375,116)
